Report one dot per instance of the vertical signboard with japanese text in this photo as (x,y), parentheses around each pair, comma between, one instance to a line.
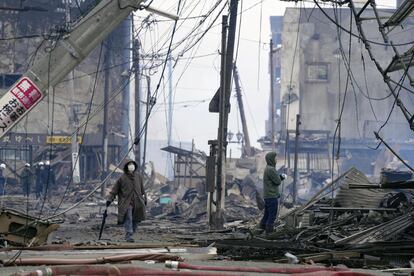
(16,102)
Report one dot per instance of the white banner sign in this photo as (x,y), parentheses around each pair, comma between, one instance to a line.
(17,101)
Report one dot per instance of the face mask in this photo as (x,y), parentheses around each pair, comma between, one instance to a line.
(131,167)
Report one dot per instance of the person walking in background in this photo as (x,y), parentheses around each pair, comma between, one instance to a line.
(131,199)
(41,178)
(50,175)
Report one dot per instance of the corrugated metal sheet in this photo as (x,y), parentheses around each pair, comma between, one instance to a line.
(364,198)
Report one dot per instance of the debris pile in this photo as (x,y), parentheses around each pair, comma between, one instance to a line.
(341,224)
(191,204)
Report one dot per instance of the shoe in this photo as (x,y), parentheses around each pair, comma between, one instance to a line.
(269,228)
(130,240)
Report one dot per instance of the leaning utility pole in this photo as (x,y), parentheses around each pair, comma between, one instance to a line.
(55,61)
(247,150)
(272,96)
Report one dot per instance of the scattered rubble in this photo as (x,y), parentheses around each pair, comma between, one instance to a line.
(339,225)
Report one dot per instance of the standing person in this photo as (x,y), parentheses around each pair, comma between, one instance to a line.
(40,179)
(271,183)
(26,179)
(50,175)
(131,199)
(2,179)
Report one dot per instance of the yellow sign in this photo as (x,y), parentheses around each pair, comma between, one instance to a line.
(59,139)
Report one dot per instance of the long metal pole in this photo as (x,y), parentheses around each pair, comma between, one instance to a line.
(272,96)
(191,163)
(247,150)
(128,106)
(170,115)
(146,120)
(107,63)
(295,168)
(137,101)
(73,115)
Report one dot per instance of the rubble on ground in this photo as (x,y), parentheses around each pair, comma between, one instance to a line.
(340,224)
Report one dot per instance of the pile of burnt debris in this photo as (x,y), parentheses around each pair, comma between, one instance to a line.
(190,203)
(349,221)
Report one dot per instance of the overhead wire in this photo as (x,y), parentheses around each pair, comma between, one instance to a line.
(287,150)
(347,64)
(402,79)
(137,139)
(355,35)
(93,113)
(84,129)
(337,131)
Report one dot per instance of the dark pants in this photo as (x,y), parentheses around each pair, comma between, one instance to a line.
(129,224)
(2,182)
(270,213)
(26,188)
(39,189)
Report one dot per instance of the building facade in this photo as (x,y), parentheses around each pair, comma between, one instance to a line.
(312,79)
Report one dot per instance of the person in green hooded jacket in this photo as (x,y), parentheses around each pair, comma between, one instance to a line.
(271,183)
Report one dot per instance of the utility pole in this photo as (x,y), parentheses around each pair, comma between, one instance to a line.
(217,215)
(107,63)
(295,168)
(272,95)
(224,109)
(170,114)
(128,106)
(247,150)
(146,118)
(73,115)
(137,67)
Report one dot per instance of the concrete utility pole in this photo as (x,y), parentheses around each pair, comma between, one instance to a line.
(217,219)
(170,115)
(128,94)
(73,113)
(272,95)
(50,67)
(137,67)
(295,166)
(107,64)
(247,150)
(224,110)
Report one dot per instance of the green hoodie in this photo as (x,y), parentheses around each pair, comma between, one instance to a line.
(271,179)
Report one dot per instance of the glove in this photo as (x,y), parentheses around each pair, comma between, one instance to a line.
(108,203)
(283,176)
